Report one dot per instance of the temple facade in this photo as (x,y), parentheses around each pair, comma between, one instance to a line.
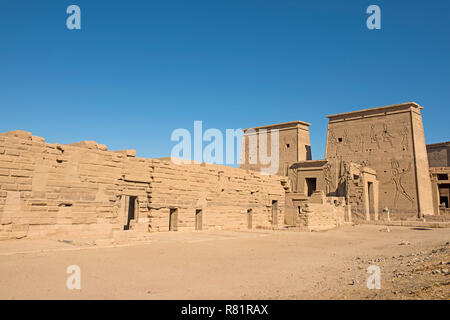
(376,161)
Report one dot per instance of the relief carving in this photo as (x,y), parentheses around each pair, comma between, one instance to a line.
(293,178)
(396,179)
(374,137)
(386,135)
(332,138)
(361,142)
(344,180)
(346,139)
(404,133)
(328,178)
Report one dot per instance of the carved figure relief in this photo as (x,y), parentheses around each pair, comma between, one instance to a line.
(346,139)
(293,174)
(361,142)
(344,180)
(374,137)
(386,135)
(396,179)
(404,133)
(328,178)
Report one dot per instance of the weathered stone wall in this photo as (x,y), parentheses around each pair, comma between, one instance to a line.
(83,189)
(439,154)
(315,213)
(49,189)
(224,194)
(322,216)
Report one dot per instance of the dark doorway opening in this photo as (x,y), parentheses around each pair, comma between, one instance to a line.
(311,185)
(250,219)
(371,196)
(274,213)
(173,219)
(198,219)
(131,215)
(443,199)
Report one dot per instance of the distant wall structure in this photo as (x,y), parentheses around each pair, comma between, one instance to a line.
(293,145)
(391,141)
(84,189)
(439,154)
(440,180)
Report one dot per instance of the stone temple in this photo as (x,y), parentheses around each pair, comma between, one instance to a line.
(376,167)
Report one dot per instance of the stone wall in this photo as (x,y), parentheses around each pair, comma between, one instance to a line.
(322,216)
(440,181)
(315,213)
(224,194)
(84,190)
(391,141)
(439,154)
(52,189)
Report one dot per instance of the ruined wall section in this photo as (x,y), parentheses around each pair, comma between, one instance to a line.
(224,194)
(52,189)
(356,197)
(322,216)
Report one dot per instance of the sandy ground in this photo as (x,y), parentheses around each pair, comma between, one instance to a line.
(414,264)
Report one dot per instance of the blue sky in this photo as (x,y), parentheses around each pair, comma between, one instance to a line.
(137,70)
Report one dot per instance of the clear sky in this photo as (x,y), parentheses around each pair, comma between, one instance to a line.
(137,70)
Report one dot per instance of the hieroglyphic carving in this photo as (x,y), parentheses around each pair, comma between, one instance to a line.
(333,141)
(346,139)
(386,135)
(365,163)
(332,138)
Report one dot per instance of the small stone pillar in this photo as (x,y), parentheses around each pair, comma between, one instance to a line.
(349,212)
(386,215)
